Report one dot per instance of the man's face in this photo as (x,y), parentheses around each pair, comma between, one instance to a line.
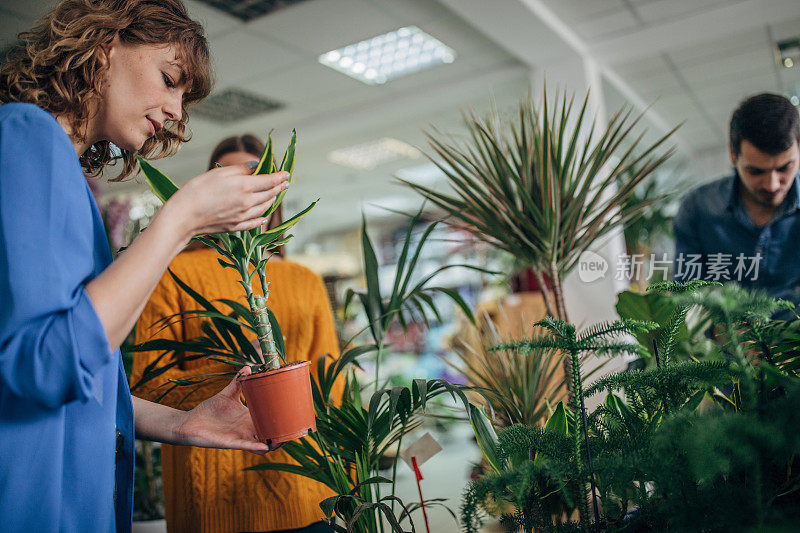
(766,178)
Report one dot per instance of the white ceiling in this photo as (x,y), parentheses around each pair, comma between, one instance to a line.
(695,59)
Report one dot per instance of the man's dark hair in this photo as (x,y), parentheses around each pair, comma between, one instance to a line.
(767,121)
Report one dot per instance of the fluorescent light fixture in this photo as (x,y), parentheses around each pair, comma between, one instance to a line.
(391,55)
(369,155)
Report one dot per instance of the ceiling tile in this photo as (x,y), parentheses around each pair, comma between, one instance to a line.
(729,46)
(413,11)
(787,29)
(729,67)
(667,10)
(306,83)
(571,11)
(214,21)
(321,26)
(240,56)
(609,25)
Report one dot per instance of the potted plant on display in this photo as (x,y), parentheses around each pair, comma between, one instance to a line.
(543,187)
(698,445)
(355,433)
(270,383)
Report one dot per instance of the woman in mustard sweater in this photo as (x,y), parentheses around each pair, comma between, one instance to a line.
(209,490)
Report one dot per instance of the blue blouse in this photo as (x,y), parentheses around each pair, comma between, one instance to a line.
(64,398)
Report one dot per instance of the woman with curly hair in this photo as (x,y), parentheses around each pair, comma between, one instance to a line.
(93,73)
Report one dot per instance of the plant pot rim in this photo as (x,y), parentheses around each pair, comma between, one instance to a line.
(285,368)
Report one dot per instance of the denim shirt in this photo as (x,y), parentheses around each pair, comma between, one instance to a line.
(715,239)
(66,415)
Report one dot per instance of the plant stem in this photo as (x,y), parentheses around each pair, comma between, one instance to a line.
(378,356)
(258,305)
(546,294)
(396,457)
(655,351)
(576,376)
(558,291)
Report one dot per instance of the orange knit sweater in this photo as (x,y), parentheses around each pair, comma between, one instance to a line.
(208,490)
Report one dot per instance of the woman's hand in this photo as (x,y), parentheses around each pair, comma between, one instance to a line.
(222,421)
(225,199)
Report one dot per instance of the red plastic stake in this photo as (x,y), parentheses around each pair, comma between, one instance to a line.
(418,474)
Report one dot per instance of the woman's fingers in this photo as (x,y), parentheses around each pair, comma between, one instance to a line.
(266,182)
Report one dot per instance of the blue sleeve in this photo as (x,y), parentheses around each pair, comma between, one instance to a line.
(52,344)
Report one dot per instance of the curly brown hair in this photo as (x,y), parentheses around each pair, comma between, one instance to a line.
(54,66)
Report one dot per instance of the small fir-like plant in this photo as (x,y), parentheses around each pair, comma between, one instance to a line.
(686,445)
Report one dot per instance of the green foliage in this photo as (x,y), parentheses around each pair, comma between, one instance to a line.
(352,436)
(518,385)
(242,250)
(686,446)
(542,186)
(406,301)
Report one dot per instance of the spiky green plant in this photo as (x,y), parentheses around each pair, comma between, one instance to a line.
(352,435)
(407,300)
(517,385)
(242,249)
(602,339)
(543,187)
(673,452)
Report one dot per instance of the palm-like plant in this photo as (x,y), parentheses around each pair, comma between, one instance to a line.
(241,250)
(407,301)
(518,385)
(352,435)
(543,187)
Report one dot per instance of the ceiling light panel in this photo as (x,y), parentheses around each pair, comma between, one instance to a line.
(369,155)
(391,55)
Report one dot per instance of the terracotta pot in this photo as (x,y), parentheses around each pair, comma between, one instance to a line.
(280,403)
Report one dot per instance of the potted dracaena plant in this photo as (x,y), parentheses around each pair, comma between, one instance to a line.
(247,252)
(544,186)
(353,433)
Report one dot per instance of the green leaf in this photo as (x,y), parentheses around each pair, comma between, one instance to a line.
(559,422)
(373,294)
(487,438)
(277,335)
(161,185)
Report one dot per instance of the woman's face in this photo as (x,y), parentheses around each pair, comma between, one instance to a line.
(236,158)
(143,89)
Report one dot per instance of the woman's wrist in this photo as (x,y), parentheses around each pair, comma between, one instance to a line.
(172,218)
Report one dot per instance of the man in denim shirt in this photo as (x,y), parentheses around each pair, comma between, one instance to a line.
(746,227)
